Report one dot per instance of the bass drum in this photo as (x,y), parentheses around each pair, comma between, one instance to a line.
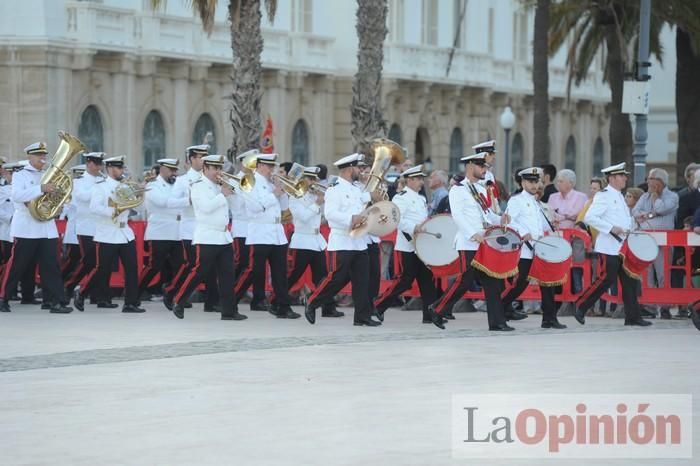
(435,246)
(382,218)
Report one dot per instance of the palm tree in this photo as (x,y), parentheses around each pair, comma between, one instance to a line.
(540,81)
(247,45)
(366,112)
(687,100)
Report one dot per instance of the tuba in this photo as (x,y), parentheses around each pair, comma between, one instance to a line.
(127,195)
(48,205)
(385,153)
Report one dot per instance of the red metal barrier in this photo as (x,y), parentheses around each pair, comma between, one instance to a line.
(666,295)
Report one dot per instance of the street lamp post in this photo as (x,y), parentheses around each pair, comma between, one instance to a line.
(507,121)
(640,128)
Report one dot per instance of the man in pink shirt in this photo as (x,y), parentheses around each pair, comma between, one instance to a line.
(567,203)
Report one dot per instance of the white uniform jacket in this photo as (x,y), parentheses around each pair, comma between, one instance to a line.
(26,186)
(343,200)
(85,220)
(211,211)
(69,212)
(163,221)
(526,218)
(181,200)
(7,210)
(239,214)
(265,214)
(414,211)
(306,215)
(109,231)
(607,210)
(469,216)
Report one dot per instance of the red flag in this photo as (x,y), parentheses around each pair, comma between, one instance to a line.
(267,146)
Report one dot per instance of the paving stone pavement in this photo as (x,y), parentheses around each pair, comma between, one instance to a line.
(101,387)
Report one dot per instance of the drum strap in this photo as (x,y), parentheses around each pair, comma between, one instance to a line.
(551,227)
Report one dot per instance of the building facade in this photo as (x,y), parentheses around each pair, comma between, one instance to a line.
(130,80)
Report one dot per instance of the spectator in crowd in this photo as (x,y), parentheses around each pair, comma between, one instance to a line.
(656,210)
(632,195)
(550,172)
(437,182)
(688,197)
(444,206)
(567,203)
(596,185)
(688,175)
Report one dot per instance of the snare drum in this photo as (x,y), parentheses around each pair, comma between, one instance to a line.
(499,254)
(551,262)
(638,252)
(435,246)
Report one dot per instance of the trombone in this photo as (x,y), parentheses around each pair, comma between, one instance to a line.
(244,183)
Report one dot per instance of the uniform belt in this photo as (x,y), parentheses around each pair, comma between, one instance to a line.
(273,221)
(307,231)
(213,228)
(122,224)
(340,232)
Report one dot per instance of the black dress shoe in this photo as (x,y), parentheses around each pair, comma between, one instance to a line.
(133,309)
(638,322)
(333,313)
(179,311)
(45,306)
(310,314)
(665,314)
(501,328)
(4,306)
(260,306)
(292,315)
(235,316)
(646,312)
(436,318)
(60,309)
(366,323)
(107,305)
(515,315)
(78,301)
(448,316)
(168,301)
(553,324)
(187,304)
(33,302)
(379,313)
(215,308)
(580,315)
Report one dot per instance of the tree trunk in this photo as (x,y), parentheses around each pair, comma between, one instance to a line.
(366,112)
(687,103)
(247,45)
(621,141)
(540,81)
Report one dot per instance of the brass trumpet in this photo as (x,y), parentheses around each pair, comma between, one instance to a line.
(245,183)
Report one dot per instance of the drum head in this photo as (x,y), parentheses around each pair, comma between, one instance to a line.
(502,241)
(382,218)
(553,249)
(435,247)
(643,246)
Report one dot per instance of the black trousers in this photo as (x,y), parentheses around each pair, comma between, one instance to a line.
(303,259)
(106,254)
(216,259)
(70,261)
(242,256)
(344,267)
(88,261)
(374,271)
(27,281)
(612,270)
(276,256)
(493,288)
(549,310)
(410,268)
(162,252)
(24,254)
(211,297)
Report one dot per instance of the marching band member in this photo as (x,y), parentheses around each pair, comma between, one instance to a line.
(373,243)
(85,225)
(610,215)
(70,236)
(471,213)
(308,247)
(113,238)
(211,239)
(7,210)
(348,255)
(266,235)
(181,199)
(414,211)
(34,239)
(239,227)
(162,229)
(528,219)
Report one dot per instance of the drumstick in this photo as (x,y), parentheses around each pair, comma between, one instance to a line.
(437,235)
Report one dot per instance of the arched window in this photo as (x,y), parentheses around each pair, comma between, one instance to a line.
(516,154)
(422,151)
(395,133)
(300,143)
(456,150)
(598,156)
(90,129)
(570,154)
(153,139)
(205,132)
